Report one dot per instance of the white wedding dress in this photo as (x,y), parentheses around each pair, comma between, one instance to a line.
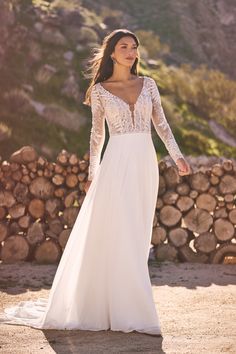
(102,281)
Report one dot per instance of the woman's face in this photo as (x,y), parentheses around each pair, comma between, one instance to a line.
(125,51)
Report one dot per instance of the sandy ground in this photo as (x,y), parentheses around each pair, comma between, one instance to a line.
(195,303)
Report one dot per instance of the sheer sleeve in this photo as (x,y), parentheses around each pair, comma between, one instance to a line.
(161,125)
(97,135)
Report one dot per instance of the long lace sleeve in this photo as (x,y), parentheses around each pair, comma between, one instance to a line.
(161,125)
(97,135)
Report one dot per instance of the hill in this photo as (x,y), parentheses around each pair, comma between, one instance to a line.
(44,46)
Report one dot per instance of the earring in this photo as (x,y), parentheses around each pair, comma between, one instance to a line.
(114,60)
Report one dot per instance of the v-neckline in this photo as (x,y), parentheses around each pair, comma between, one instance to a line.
(128,104)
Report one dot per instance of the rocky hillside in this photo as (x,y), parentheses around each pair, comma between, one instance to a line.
(196,31)
(44,46)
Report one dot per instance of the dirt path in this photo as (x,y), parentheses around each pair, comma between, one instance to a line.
(195,303)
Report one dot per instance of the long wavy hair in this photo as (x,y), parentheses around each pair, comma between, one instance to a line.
(100,66)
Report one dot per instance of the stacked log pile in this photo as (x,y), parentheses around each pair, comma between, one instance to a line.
(39,202)
(194,221)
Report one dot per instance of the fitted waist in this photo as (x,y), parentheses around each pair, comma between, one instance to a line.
(131,133)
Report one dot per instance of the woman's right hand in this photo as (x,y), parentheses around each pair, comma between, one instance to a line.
(87,185)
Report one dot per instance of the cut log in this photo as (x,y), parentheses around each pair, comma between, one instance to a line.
(223,251)
(40,173)
(14,228)
(71,198)
(21,193)
(206,201)
(82,176)
(232,216)
(71,180)
(32,166)
(63,157)
(81,199)
(193,194)
(178,236)
(55,225)
(60,192)
(15,249)
(58,169)
(42,161)
(206,242)
(3,213)
(159,203)
(171,176)
(70,215)
(32,175)
(214,180)
(185,203)
(166,252)
(158,235)
(183,189)
(35,233)
(221,203)
(14,166)
(213,190)
(217,170)
(170,216)
(51,166)
(228,165)
(52,207)
(200,182)
(83,165)
(228,184)
(162,166)
(47,173)
(7,199)
(42,188)
(16,211)
(24,222)
(58,180)
(50,234)
(36,208)
(4,231)
(224,230)
(198,220)
(73,160)
(186,254)
(170,197)
(63,237)
(155,220)
(75,170)
(220,213)
(26,180)
(48,252)
(229,198)
(229,206)
(162,186)
(8,183)
(24,155)
(16,175)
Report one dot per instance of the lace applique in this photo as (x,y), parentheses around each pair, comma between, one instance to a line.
(161,125)
(121,119)
(97,134)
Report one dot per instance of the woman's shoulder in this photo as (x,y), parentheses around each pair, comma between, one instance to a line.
(149,78)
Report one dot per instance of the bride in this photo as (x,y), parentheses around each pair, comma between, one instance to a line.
(102,281)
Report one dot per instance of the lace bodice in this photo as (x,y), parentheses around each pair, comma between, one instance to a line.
(121,119)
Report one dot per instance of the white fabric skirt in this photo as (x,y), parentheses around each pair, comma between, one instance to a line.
(102,281)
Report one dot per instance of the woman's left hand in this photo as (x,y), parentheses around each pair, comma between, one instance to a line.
(183,167)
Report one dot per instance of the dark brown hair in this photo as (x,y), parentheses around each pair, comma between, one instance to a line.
(101,64)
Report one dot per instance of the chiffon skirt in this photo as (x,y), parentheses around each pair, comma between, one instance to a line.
(102,280)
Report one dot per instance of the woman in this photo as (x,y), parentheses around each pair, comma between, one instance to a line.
(102,281)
